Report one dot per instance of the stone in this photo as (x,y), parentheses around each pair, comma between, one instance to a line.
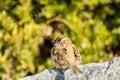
(109,70)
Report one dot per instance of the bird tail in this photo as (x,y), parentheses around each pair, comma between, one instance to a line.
(76,69)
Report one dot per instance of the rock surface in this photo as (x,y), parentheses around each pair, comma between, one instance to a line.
(109,70)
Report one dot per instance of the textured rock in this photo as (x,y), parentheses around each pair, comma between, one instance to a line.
(109,70)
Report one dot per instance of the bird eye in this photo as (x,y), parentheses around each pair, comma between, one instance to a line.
(58,40)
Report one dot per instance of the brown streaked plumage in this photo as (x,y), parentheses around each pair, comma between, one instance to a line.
(65,55)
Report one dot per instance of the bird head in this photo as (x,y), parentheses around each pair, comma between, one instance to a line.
(59,39)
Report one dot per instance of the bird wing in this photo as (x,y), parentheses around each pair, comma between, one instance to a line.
(76,54)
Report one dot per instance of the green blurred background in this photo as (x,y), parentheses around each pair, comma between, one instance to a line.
(27,28)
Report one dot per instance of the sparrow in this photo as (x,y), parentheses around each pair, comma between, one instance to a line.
(65,55)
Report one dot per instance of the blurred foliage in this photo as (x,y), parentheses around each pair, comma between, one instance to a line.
(28,26)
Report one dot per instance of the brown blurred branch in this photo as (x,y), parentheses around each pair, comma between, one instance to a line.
(57,19)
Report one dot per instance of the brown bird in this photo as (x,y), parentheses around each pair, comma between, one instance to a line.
(65,55)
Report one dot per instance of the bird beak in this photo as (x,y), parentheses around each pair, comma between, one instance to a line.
(53,41)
